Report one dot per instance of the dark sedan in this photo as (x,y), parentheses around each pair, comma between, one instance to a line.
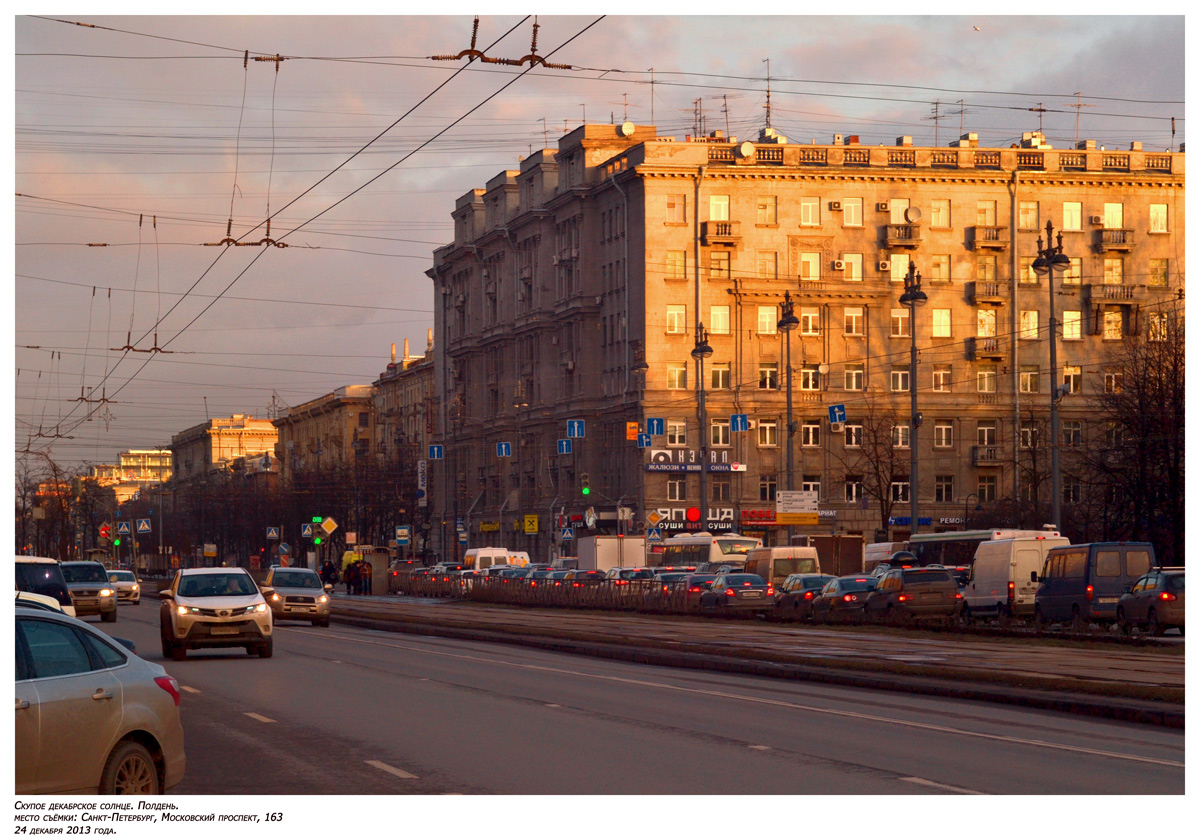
(1154,603)
(843,598)
(738,593)
(794,598)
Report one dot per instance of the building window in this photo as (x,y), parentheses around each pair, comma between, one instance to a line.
(985,379)
(721,376)
(1073,379)
(768,433)
(986,433)
(896,210)
(941,323)
(943,434)
(1072,325)
(1112,382)
(676,433)
(899,378)
(811,484)
(810,433)
(1158,272)
(855,377)
(1114,435)
(1029,324)
(719,433)
(676,209)
(942,378)
(810,266)
(899,267)
(1072,215)
(985,323)
(985,268)
(677,376)
(985,213)
(810,378)
(677,265)
(1072,491)
(1030,379)
(1114,216)
(854,488)
(1027,215)
(852,212)
(853,320)
(677,489)
(900,491)
(718,265)
(676,318)
(1025,272)
(1029,435)
(1073,276)
(810,211)
(718,320)
(1114,271)
(768,320)
(939,268)
(943,488)
(853,270)
(721,489)
(1113,326)
(1072,432)
(768,376)
(718,208)
(1158,218)
(810,321)
(939,213)
(901,436)
(767,205)
(854,435)
(766,489)
(986,488)
(768,264)
(1158,327)
(899,323)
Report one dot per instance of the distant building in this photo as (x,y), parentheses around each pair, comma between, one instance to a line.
(336,428)
(134,470)
(218,443)
(404,406)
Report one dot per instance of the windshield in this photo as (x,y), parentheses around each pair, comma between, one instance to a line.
(84,573)
(216,585)
(858,584)
(732,546)
(116,576)
(297,580)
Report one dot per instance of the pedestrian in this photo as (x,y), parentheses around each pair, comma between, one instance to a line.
(351,578)
(366,577)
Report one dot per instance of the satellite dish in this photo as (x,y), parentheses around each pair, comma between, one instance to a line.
(746,149)
(627,129)
(912,215)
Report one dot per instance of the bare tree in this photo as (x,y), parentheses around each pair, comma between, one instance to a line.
(878,461)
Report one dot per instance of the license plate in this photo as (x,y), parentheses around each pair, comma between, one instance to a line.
(224,631)
(751,594)
(1108,600)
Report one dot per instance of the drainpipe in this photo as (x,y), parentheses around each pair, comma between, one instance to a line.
(1014,316)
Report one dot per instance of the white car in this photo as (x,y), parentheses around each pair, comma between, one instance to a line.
(128,587)
(214,608)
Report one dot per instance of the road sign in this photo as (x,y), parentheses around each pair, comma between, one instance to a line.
(631,430)
(654,517)
(739,422)
(654,534)
(143,526)
(306,530)
(123,529)
(575,429)
(531,523)
(462,538)
(284,548)
(643,441)
(436,452)
(655,426)
(837,413)
(796,507)
(504,450)
(568,534)
(210,549)
(329,525)
(272,533)
(564,446)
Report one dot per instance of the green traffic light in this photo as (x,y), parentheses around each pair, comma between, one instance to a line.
(316,540)
(587,491)
(117,541)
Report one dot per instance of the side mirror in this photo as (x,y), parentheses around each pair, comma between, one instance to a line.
(329,586)
(164,594)
(1033,578)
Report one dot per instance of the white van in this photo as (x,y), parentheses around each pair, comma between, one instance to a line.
(880,552)
(775,564)
(481,558)
(1000,584)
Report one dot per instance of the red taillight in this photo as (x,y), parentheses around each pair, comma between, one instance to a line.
(1166,596)
(576,584)
(849,598)
(808,596)
(958,596)
(169,685)
(903,598)
(730,593)
(695,589)
(665,589)
(1012,590)
(1090,592)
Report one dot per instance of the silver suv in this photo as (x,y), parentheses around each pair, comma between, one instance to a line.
(91,591)
(214,608)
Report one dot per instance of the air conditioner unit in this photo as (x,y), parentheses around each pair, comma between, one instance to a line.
(837,428)
(554,339)
(884,265)
(1097,220)
(554,259)
(569,364)
(835,205)
(882,207)
(574,253)
(839,265)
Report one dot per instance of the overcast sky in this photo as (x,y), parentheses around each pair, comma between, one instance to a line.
(149,139)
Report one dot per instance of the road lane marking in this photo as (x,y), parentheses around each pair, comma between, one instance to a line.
(189,689)
(258,717)
(395,771)
(758,747)
(725,695)
(940,786)
(553,706)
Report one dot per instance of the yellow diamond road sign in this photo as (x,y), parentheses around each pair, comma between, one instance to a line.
(654,518)
(328,526)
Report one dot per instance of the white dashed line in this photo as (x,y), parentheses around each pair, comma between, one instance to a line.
(758,747)
(189,689)
(258,717)
(940,786)
(387,768)
(553,706)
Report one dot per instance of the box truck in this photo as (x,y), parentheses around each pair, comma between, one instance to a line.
(609,551)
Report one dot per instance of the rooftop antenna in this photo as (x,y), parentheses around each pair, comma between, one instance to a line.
(768,105)
(545,134)
(625,114)
(651,96)
(1039,110)
(961,111)
(1079,105)
(725,108)
(936,116)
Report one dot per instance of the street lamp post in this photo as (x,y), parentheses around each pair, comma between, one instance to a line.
(700,352)
(912,298)
(787,323)
(1050,258)
(966,505)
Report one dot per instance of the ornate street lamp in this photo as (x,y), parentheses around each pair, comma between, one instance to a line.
(1049,259)
(912,298)
(700,352)
(787,323)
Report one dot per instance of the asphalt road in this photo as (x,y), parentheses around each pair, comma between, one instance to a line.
(343,710)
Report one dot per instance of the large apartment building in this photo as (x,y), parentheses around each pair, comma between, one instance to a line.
(575,288)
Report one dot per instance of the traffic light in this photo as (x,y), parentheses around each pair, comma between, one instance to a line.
(584,486)
(117,541)
(316,540)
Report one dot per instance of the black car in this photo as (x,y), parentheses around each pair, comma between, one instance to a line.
(844,598)
(795,595)
(43,576)
(740,593)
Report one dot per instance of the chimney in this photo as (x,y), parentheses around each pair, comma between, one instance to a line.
(393,352)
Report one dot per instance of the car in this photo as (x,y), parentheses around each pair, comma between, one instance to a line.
(556,578)
(1082,583)
(43,575)
(688,590)
(1154,603)
(843,598)
(738,592)
(91,718)
(34,601)
(896,560)
(923,592)
(214,608)
(576,578)
(795,596)
(128,587)
(659,595)
(537,578)
(91,593)
(298,594)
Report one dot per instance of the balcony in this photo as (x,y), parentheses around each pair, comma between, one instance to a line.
(1114,239)
(721,233)
(983,348)
(990,237)
(903,236)
(980,292)
(1103,293)
(986,456)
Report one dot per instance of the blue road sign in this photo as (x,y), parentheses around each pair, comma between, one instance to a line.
(504,450)
(284,548)
(143,526)
(272,533)
(462,538)
(575,429)
(306,529)
(739,422)
(564,446)
(656,426)
(643,441)
(837,413)
(436,452)
(654,534)
(123,529)
(568,534)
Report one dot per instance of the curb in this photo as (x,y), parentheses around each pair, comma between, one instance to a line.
(1155,713)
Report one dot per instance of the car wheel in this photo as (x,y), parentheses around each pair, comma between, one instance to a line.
(266,650)
(1078,623)
(129,770)
(137,601)
(1152,625)
(109,616)
(178,651)
(325,621)
(1123,623)
(964,616)
(1039,620)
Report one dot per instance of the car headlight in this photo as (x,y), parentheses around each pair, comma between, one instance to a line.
(182,610)
(323,599)
(274,596)
(136,587)
(104,593)
(257,608)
